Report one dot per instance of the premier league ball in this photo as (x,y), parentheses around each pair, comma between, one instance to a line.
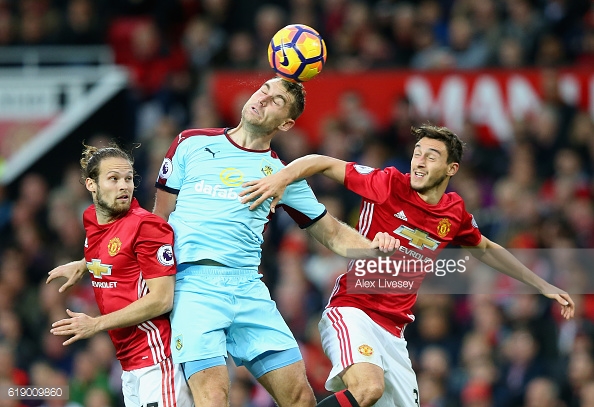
(297,53)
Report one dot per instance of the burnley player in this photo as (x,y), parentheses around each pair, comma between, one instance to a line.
(128,252)
(362,334)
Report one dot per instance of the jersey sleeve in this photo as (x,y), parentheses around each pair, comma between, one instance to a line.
(373,184)
(301,204)
(172,171)
(154,248)
(469,233)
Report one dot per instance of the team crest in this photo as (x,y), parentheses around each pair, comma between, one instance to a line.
(267,168)
(165,255)
(179,344)
(443,227)
(365,350)
(114,246)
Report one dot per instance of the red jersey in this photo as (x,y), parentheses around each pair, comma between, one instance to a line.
(389,204)
(121,256)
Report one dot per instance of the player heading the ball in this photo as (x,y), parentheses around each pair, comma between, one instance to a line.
(297,53)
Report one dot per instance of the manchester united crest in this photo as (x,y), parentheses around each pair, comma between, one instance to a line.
(365,350)
(443,227)
(114,246)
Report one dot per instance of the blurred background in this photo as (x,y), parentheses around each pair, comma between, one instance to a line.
(514,78)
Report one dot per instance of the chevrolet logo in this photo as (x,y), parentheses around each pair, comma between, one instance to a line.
(417,238)
(99,269)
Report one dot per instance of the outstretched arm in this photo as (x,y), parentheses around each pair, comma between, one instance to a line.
(158,301)
(347,242)
(503,261)
(274,185)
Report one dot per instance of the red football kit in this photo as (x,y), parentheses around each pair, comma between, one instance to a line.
(389,204)
(121,256)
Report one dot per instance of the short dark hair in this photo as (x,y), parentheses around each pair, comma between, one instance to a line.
(454,146)
(92,157)
(297,90)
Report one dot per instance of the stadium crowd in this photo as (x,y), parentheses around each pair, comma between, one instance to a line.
(534,192)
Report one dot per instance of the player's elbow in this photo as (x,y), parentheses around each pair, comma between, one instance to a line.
(163,303)
(167,303)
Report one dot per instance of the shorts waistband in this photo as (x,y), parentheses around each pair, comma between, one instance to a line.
(397,329)
(198,269)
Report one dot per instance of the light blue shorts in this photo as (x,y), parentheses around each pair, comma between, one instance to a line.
(218,310)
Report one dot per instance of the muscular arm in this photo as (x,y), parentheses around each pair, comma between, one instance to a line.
(164,204)
(347,242)
(274,185)
(309,165)
(158,301)
(503,261)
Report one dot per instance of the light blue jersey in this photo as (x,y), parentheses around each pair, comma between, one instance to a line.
(206,169)
(225,310)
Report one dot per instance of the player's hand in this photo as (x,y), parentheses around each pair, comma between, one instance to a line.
(72,271)
(386,243)
(272,186)
(79,325)
(567,305)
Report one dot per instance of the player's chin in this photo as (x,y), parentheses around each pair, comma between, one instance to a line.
(418,186)
(122,205)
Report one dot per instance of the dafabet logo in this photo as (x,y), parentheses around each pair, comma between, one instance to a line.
(230,177)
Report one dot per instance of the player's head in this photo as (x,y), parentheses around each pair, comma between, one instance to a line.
(108,173)
(298,92)
(454,146)
(275,106)
(435,159)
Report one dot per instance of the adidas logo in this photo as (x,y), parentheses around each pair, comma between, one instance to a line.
(401,215)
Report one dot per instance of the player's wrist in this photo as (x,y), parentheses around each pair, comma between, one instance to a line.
(99,324)
(288,175)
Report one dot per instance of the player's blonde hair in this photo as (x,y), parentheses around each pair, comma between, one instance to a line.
(92,156)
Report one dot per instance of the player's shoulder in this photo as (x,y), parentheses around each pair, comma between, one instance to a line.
(180,142)
(140,215)
(192,134)
(365,170)
(453,201)
(89,211)
(453,198)
(90,216)
(274,155)
(139,212)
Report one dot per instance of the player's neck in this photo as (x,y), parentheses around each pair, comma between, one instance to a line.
(251,140)
(433,196)
(103,218)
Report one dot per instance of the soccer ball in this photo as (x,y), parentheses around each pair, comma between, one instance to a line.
(297,53)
